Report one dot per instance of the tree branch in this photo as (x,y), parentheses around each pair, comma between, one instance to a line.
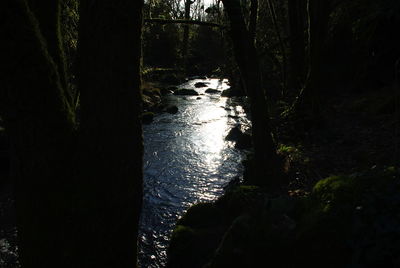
(194,22)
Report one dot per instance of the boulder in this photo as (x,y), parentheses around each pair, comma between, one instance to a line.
(167,90)
(172,109)
(234,134)
(212,91)
(186,92)
(201,84)
(244,142)
(226,93)
(232,92)
(147,117)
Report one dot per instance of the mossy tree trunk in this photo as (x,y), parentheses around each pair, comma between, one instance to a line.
(41,130)
(268,171)
(48,15)
(78,187)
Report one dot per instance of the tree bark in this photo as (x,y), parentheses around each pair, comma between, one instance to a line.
(253,19)
(185,41)
(271,8)
(40,127)
(110,141)
(309,104)
(48,15)
(297,17)
(267,169)
(78,186)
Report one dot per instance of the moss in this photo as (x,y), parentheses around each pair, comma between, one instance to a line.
(347,220)
(330,223)
(192,247)
(239,200)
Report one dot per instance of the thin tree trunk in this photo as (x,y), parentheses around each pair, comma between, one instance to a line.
(268,172)
(253,19)
(111,141)
(297,11)
(310,100)
(281,44)
(185,41)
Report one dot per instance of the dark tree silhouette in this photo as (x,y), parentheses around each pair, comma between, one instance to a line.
(78,186)
(267,169)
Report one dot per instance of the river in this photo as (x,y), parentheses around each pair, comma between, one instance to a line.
(186,161)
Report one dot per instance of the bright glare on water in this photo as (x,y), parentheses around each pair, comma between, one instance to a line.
(186,161)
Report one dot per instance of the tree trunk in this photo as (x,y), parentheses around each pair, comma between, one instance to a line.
(185,41)
(271,8)
(48,15)
(40,127)
(310,100)
(78,187)
(110,141)
(253,19)
(267,169)
(297,16)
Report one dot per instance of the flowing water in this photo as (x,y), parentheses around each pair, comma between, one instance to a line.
(186,161)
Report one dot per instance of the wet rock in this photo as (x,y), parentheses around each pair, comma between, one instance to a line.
(232,92)
(212,91)
(151,96)
(234,134)
(186,92)
(172,109)
(167,90)
(244,142)
(198,98)
(147,117)
(201,84)
(226,93)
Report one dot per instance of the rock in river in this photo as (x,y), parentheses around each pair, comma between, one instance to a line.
(147,117)
(212,91)
(185,91)
(201,84)
(172,109)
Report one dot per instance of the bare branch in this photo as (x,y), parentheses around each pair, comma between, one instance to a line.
(194,22)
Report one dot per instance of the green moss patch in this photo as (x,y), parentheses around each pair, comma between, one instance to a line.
(346,221)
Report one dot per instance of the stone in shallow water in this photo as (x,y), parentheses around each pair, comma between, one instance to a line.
(147,117)
(185,91)
(212,91)
(201,84)
(172,109)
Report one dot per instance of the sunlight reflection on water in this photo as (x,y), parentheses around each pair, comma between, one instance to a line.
(186,161)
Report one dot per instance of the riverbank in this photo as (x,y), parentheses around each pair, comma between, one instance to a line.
(340,207)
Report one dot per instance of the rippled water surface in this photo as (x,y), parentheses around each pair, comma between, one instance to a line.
(186,161)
